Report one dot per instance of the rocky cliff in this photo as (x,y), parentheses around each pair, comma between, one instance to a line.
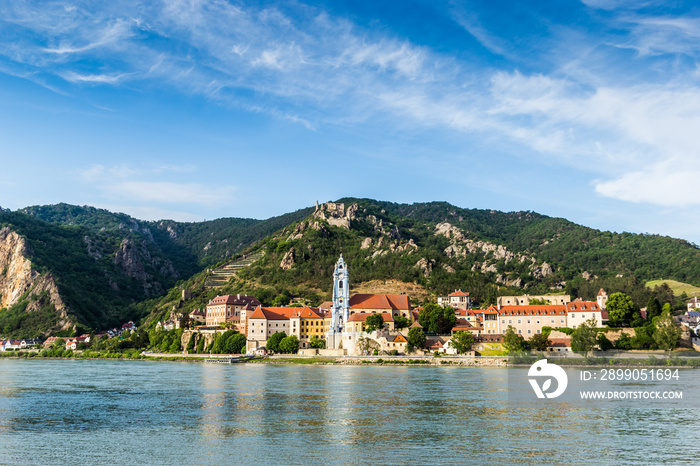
(19,281)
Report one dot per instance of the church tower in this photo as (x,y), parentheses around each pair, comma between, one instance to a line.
(341,296)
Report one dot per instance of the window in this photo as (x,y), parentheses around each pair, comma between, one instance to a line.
(529,332)
(520,321)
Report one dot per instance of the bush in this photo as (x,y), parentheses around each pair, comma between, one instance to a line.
(394,352)
(652,361)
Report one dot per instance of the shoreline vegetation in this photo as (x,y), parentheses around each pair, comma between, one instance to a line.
(681,359)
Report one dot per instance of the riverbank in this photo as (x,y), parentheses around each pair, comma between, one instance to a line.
(679,360)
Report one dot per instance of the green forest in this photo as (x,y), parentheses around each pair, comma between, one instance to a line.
(78,245)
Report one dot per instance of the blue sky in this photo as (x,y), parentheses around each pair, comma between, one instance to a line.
(196,110)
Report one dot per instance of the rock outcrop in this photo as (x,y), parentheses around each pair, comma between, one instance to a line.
(288,260)
(335,213)
(18,279)
(461,246)
(134,260)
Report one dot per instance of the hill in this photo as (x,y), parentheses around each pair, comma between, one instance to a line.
(109,267)
(436,248)
(677,287)
(103,264)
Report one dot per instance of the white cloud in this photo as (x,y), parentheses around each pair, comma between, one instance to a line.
(150,213)
(98,171)
(171,193)
(663,185)
(470,22)
(94,78)
(312,69)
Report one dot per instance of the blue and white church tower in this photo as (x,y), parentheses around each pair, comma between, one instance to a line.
(340,311)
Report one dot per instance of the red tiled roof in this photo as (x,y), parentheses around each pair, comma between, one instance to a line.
(237,300)
(308,313)
(284,313)
(491,310)
(534,310)
(416,324)
(362,316)
(581,306)
(560,342)
(395,302)
(269,313)
(459,293)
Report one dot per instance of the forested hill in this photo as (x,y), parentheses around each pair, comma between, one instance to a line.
(572,248)
(191,246)
(105,264)
(439,247)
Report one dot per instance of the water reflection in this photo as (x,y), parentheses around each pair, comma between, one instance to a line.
(173,413)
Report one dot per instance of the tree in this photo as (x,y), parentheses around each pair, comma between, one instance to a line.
(289,344)
(620,310)
(584,338)
(603,343)
(623,342)
(191,343)
(401,321)
(235,343)
(513,341)
(437,319)
(462,341)
(538,302)
(185,320)
(273,343)
(416,339)
(539,342)
(174,346)
(316,342)
(653,308)
(667,334)
(644,337)
(374,322)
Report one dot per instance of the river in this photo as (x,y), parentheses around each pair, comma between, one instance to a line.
(146,412)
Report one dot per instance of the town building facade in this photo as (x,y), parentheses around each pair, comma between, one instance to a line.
(457,300)
(524,300)
(529,320)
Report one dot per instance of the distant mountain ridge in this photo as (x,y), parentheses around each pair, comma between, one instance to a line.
(107,266)
(105,263)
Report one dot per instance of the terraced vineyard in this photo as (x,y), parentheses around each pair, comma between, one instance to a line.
(221,275)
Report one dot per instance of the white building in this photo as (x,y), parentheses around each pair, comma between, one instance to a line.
(581,311)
